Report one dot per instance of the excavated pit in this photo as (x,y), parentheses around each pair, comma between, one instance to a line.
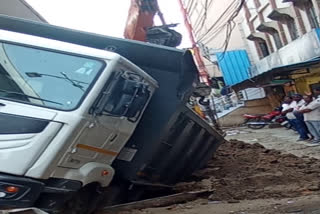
(242,171)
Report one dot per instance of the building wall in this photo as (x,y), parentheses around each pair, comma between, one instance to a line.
(202,25)
(304,81)
(207,21)
(235,118)
(21,9)
(256,12)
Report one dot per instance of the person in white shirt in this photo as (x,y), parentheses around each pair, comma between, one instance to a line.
(311,111)
(285,106)
(204,103)
(286,103)
(294,117)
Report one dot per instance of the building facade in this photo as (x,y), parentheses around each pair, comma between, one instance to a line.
(209,18)
(273,27)
(283,41)
(21,9)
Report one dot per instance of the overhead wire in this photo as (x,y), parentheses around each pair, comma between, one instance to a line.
(190,6)
(210,3)
(206,6)
(194,9)
(200,21)
(229,10)
(232,11)
(231,25)
(200,18)
(215,32)
(218,26)
(205,13)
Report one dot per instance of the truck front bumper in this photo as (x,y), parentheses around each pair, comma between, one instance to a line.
(18,191)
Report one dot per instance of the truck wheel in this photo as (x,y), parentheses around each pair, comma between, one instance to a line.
(136,193)
(119,194)
(83,202)
(112,195)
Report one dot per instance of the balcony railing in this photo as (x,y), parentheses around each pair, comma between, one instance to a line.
(300,50)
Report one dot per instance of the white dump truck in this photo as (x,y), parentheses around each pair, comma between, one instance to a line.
(84,116)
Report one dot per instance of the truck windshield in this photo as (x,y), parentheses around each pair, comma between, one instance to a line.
(45,78)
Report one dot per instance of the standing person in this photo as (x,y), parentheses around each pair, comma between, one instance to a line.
(291,105)
(297,102)
(311,112)
(316,92)
(285,104)
(287,100)
(204,103)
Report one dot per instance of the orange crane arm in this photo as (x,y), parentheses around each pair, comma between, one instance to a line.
(140,18)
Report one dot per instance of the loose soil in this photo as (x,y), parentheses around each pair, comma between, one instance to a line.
(241,171)
(248,178)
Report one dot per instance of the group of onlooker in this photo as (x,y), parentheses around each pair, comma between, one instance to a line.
(303,112)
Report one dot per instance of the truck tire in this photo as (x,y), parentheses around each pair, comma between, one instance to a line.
(113,195)
(118,194)
(83,202)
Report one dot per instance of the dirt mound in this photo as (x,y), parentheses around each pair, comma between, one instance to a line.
(243,171)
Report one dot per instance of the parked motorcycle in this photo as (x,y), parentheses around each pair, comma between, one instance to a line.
(259,121)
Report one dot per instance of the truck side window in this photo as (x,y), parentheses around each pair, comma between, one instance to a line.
(125,95)
(114,105)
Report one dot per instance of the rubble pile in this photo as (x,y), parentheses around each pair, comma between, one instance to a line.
(242,171)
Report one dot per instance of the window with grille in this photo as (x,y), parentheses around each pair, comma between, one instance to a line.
(292,29)
(277,39)
(264,48)
(257,3)
(312,16)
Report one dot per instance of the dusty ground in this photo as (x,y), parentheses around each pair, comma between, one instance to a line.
(241,171)
(270,173)
(280,139)
(301,205)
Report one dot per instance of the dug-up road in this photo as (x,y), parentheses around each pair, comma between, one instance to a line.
(257,172)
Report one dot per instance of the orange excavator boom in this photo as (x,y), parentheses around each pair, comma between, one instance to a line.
(140,18)
(140,25)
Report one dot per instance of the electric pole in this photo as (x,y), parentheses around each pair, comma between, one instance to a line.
(196,51)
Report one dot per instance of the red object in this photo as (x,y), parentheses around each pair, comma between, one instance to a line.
(265,117)
(140,17)
(201,66)
(104,173)
(12,189)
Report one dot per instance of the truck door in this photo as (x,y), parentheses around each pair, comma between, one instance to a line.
(114,117)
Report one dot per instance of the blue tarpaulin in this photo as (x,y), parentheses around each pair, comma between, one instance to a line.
(234,66)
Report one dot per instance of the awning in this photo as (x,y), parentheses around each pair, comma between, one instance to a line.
(282,14)
(297,3)
(256,36)
(288,69)
(268,76)
(277,83)
(268,27)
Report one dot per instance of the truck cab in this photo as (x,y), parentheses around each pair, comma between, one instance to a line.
(66,111)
